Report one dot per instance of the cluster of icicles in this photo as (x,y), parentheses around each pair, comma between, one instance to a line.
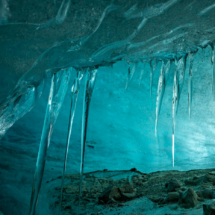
(60,83)
(178,82)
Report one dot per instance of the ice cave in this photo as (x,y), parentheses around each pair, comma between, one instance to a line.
(107,107)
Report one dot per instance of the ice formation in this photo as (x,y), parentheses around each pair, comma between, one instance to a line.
(59,85)
(89,85)
(56,39)
(74,94)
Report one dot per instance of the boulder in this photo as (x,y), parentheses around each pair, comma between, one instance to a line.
(193,181)
(110,194)
(172,185)
(122,193)
(172,197)
(207,193)
(210,177)
(188,198)
(209,209)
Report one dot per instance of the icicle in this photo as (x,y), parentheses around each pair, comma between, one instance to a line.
(45,139)
(160,93)
(153,67)
(167,68)
(213,74)
(131,70)
(74,94)
(90,82)
(58,89)
(177,89)
(161,89)
(174,110)
(141,74)
(191,56)
(181,70)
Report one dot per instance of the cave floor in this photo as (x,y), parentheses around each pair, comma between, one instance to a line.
(133,192)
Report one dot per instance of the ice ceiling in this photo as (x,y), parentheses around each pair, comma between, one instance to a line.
(134,45)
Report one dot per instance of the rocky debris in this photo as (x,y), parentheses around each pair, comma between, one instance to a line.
(193,181)
(188,188)
(113,194)
(210,177)
(172,185)
(206,193)
(172,197)
(188,198)
(209,209)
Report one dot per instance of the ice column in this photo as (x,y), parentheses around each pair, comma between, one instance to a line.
(58,89)
(74,94)
(90,82)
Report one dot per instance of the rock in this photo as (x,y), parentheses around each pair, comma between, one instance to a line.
(209,209)
(112,193)
(210,177)
(133,169)
(193,181)
(172,197)
(127,188)
(188,198)
(172,185)
(207,193)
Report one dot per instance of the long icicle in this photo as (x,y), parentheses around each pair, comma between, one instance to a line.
(160,93)
(89,86)
(191,56)
(141,73)
(161,89)
(177,89)
(59,85)
(174,110)
(45,139)
(74,94)
(152,70)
